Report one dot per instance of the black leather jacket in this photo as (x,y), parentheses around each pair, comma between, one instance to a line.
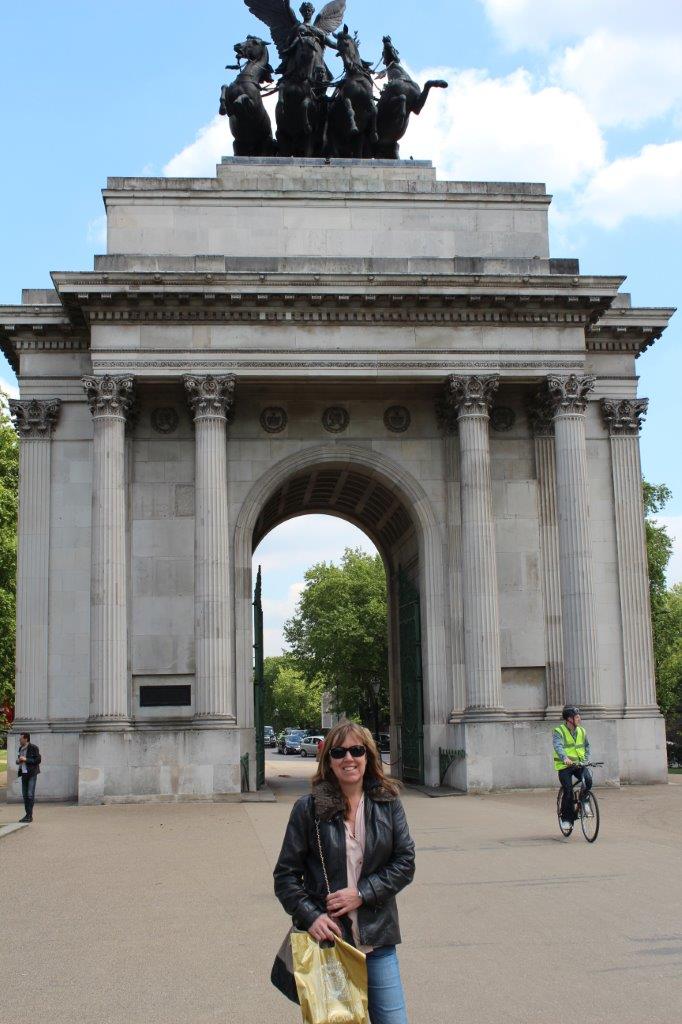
(388,863)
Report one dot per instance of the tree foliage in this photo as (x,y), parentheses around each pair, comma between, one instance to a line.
(290,699)
(9,488)
(666,607)
(339,634)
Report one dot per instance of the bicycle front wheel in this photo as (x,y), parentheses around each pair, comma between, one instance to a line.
(589,817)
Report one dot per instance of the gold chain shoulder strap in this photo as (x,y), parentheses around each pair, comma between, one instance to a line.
(319,846)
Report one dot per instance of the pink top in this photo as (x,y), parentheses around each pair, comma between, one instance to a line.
(355,852)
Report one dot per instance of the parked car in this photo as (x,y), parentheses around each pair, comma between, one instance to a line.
(269,737)
(309,745)
(283,735)
(384,743)
(292,743)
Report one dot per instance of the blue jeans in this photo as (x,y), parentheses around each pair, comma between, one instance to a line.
(384,987)
(28,792)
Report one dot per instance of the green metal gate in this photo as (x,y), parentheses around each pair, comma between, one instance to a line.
(258,683)
(412,728)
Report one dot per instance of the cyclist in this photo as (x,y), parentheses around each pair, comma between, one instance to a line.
(571,748)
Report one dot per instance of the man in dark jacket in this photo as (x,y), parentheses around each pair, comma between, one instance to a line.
(28,760)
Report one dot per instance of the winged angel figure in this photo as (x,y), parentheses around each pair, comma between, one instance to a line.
(301,44)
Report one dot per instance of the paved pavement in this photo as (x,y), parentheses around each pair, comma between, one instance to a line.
(164,914)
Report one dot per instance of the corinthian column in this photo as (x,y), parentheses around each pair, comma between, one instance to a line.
(567,401)
(111,399)
(542,427)
(466,408)
(35,422)
(211,400)
(624,419)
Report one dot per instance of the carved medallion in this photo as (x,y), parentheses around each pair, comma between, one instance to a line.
(165,420)
(397,419)
(273,419)
(335,419)
(502,418)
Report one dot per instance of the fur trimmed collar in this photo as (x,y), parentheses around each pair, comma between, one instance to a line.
(329,800)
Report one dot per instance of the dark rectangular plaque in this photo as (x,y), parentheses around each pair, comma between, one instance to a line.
(165,696)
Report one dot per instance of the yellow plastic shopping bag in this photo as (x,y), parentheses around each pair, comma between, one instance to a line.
(331,981)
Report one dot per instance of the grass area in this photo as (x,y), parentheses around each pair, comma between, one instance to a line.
(3,760)
(674,771)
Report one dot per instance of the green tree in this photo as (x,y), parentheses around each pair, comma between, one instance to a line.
(339,632)
(9,488)
(290,699)
(669,671)
(659,548)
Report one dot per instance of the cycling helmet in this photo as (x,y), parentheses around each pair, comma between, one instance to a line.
(570,711)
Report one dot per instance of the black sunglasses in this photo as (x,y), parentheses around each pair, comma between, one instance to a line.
(357,750)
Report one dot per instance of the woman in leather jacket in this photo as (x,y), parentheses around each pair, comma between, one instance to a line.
(368,855)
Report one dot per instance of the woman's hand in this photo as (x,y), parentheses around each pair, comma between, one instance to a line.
(323,929)
(343,901)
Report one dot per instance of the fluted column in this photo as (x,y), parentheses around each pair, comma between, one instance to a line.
(624,419)
(466,408)
(35,422)
(542,427)
(567,401)
(211,400)
(111,400)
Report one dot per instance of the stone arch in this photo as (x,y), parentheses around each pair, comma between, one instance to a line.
(393,486)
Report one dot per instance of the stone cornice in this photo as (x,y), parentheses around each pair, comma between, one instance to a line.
(624,416)
(627,329)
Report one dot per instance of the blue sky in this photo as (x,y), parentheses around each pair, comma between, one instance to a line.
(585,95)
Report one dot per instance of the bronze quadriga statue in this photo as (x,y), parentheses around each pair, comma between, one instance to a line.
(311,123)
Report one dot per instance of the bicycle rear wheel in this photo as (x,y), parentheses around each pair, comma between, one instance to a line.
(559,800)
(589,817)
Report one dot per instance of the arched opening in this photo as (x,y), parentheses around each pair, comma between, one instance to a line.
(366,496)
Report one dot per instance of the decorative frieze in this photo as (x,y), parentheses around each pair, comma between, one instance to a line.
(34,419)
(211,396)
(624,416)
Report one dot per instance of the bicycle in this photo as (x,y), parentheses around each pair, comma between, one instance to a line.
(585,806)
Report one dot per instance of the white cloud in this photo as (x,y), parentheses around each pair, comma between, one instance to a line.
(624,79)
(646,185)
(535,24)
(8,390)
(485,128)
(199,158)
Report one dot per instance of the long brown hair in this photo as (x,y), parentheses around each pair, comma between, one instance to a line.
(374,772)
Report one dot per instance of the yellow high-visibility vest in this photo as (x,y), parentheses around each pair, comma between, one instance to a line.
(573,745)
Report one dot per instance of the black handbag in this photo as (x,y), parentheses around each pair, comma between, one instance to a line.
(282,973)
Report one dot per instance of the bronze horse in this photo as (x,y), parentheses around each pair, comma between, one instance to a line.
(352,116)
(242,102)
(400,97)
(302,103)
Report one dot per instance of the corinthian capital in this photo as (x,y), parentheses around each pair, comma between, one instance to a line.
(110,396)
(34,419)
(466,396)
(211,396)
(568,394)
(624,416)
